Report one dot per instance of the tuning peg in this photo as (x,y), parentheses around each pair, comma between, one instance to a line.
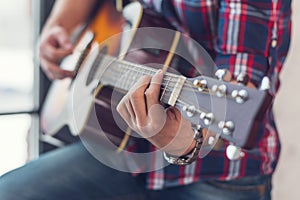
(227,127)
(240,96)
(234,153)
(220,90)
(243,78)
(211,140)
(265,84)
(207,118)
(200,84)
(223,74)
(190,110)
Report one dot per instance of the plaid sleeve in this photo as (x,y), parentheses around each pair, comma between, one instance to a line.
(244,37)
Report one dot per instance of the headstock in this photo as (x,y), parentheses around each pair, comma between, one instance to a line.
(232,110)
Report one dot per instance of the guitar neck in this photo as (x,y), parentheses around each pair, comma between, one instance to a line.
(123,75)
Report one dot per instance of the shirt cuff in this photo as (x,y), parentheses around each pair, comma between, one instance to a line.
(256,66)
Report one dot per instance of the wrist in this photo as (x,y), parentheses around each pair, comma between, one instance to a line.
(191,155)
(190,149)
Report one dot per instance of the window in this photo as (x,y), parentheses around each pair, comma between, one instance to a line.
(18,88)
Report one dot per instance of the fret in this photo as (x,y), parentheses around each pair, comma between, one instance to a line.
(165,89)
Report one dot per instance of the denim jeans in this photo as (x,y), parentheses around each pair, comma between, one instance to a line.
(72,173)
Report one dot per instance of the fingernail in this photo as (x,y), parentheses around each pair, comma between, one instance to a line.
(159,71)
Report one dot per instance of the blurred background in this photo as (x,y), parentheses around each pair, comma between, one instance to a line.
(23,87)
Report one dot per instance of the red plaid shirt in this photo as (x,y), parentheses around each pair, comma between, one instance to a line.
(250,36)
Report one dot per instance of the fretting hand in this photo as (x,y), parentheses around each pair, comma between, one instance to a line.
(164,128)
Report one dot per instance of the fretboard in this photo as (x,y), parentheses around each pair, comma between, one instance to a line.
(123,75)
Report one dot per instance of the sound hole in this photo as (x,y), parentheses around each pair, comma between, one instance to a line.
(93,71)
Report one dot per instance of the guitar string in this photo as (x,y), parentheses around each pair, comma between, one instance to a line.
(167,82)
(171,80)
(128,66)
(187,86)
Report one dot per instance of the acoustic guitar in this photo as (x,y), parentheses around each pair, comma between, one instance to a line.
(115,51)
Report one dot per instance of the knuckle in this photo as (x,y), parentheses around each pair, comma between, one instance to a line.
(143,81)
(141,125)
(146,78)
(150,93)
(135,96)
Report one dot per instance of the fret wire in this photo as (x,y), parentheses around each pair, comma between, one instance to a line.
(165,89)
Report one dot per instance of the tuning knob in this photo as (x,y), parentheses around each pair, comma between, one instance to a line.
(240,96)
(200,84)
(223,74)
(265,84)
(207,118)
(243,78)
(234,153)
(190,110)
(227,127)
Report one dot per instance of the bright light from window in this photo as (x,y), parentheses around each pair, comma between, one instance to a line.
(14,131)
(16,59)
(16,82)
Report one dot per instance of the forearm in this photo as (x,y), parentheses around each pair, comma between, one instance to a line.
(69,13)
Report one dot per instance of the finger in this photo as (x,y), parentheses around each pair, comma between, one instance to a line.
(152,95)
(55,45)
(137,100)
(173,114)
(124,112)
(51,53)
(63,38)
(130,110)
(53,71)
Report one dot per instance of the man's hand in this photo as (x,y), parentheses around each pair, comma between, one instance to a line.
(54,45)
(164,128)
